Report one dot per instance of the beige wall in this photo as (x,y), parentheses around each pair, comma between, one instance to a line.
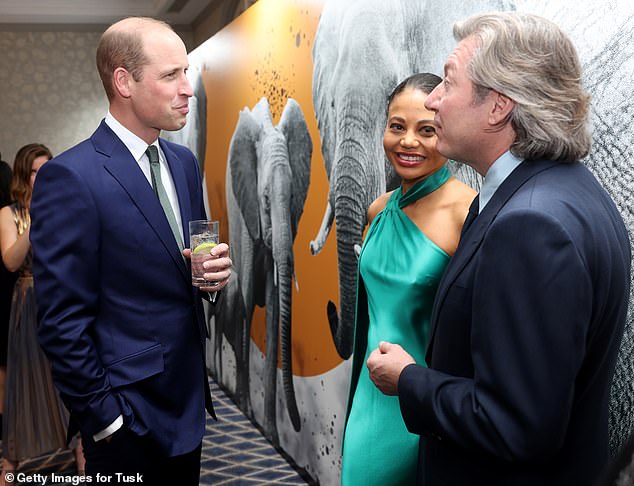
(49,89)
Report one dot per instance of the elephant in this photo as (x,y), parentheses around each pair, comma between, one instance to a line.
(362,50)
(267,179)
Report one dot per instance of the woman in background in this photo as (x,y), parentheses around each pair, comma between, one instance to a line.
(34,420)
(413,232)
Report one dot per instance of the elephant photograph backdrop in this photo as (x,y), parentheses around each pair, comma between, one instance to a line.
(296,93)
(265,177)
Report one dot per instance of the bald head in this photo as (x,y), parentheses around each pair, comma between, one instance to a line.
(121,45)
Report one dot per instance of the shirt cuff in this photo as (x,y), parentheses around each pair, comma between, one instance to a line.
(111,429)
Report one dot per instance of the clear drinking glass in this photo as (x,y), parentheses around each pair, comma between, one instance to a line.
(203,236)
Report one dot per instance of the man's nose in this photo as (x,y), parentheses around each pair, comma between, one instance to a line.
(186,88)
(431,103)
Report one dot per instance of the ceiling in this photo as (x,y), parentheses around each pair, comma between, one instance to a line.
(56,13)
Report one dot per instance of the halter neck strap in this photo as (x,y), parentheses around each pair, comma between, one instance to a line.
(423,187)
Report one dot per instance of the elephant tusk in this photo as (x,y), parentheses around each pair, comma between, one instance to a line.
(318,243)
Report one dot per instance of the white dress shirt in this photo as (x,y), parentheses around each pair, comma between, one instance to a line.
(137,148)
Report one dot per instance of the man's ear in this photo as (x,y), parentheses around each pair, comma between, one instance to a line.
(121,80)
(501,109)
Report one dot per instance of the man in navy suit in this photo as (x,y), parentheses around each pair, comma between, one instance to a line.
(530,312)
(119,319)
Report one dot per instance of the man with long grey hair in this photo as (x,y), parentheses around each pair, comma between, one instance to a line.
(529,314)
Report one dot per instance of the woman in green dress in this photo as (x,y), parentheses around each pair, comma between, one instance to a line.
(413,232)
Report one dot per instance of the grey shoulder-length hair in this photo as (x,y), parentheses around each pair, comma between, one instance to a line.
(530,60)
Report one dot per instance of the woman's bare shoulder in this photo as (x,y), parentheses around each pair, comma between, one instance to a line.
(6,213)
(458,198)
(461,194)
(378,205)
(460,188)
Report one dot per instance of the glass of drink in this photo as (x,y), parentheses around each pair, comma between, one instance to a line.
(203,236)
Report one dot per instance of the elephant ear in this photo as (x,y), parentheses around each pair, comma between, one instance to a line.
(262,113)
(242,163)
(300,150)
(325,55)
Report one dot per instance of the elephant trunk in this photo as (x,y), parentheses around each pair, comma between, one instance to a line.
(353,193)
(282,248)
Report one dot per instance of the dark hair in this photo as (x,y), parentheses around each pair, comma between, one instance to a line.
(425,82)
(21,182)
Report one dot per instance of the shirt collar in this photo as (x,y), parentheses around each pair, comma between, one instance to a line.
(497,173)
(134,144)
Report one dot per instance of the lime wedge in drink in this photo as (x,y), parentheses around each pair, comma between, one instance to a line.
(204,247)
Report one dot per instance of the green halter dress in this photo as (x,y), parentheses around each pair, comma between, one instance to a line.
(399,271)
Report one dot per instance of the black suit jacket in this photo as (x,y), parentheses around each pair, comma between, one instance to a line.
(525,332)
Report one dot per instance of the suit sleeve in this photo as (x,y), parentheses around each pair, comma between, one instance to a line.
(531,310)
(65,239)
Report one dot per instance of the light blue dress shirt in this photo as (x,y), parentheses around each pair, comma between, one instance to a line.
(497,173)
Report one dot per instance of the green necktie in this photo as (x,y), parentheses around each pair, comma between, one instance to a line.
(159,190)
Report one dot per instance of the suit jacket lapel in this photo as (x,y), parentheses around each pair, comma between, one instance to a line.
(472,237)
(122,166)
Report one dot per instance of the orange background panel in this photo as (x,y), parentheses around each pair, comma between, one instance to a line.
(267,51)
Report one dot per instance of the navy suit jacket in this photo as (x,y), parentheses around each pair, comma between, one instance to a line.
(118,316)
(525,333)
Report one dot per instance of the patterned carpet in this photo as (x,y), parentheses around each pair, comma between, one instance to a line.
(234,453)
